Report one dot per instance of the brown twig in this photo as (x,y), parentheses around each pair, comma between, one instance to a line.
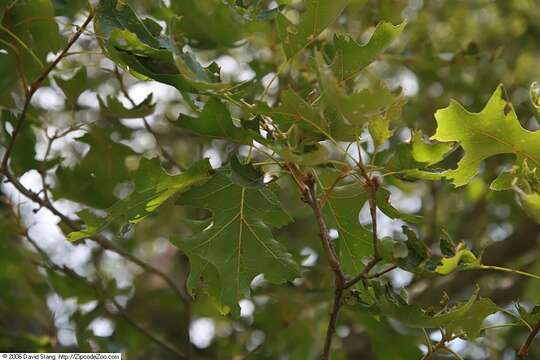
(306,185)
(147,126)
(98,289)
(102,241)
(439,346)
(311,198)
(524,350)
(46,203)
(35,86)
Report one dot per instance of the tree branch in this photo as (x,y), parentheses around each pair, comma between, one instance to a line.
(35,86)
(311,198)
(46,203)
(98,289)
(101,240)
(524,350)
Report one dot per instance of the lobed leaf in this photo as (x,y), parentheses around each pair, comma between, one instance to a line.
(239,244)
(153,186)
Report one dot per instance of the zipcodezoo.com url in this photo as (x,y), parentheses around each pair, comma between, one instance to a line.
(60,356)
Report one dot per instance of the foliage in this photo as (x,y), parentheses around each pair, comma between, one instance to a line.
(264,169)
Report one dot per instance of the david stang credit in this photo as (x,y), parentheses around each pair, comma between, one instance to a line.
(61,356)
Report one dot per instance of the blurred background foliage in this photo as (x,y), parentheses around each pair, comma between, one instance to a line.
(86,149)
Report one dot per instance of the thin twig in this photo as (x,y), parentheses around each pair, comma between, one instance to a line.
(36,84)
(440,345)
(338,296)
(98,289)
(311,198)
(147,126)
(102,241)
(4,169)
(524,350)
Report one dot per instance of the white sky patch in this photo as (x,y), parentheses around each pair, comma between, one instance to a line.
(257,281)
(256,339)
(102,327)
(161,92)
(408,203)
(201,332)
(62,311)
(311,256)
(48,98)
(266,82)
(247,308)
(385,225)
(405,79)
(116,267)
(400,278)
(214,156)
(89,99)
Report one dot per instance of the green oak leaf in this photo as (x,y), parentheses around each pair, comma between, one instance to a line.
(352,57)
(348,113)
(153,186)
(112,107)
(462,258)
(524,179)
(379,128)
(383,203)
(294,110)
(428,153)
(463,319)
(74,86)
(341,210)
(470,323)
(531,317)
(214,121)
(399,160)
(319,14)
(110,17)
(305,154)
(380,330)
(23,157)
(354,242)
(223,30)
(246,175)
(531,205)
(188,66)
(32,22)
(239,244)
(8,78)
(495,130)
(128,41)
(419,259)
(93,179)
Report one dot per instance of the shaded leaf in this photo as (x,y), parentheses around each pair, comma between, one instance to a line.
(352,57)
(465,318)
(23,156)
(342,211)
(214,121)
(113,108)
(74,86)
(153,186)
(93,179)
(239,244)
(319,14)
